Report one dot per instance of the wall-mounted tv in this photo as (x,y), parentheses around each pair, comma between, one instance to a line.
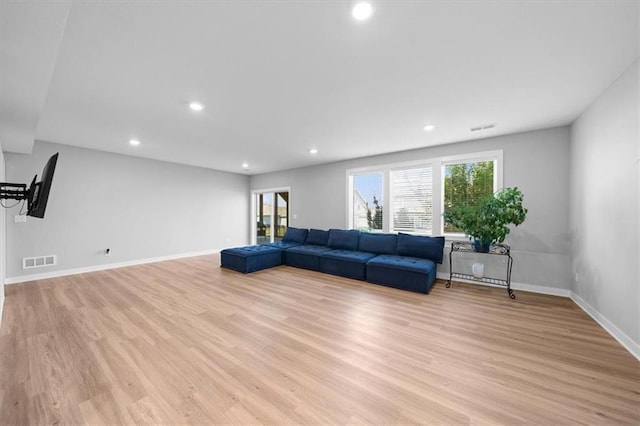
(37,194)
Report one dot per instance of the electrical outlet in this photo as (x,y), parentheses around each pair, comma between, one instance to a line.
(20,218)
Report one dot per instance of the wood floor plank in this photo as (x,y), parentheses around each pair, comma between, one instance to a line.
(187,342)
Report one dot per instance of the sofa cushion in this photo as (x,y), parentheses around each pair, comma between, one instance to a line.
(403,272)
(306,256)
(295,235)
(415,264)
(378,243)
(343,239)
(348,255)
(250,258)
(421,246)
(346,263)
(283,245)
(317,237)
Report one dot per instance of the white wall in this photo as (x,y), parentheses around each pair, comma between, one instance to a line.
(604,213)
(138,208)
(536,162)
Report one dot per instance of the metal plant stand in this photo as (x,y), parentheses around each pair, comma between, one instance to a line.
(494,249)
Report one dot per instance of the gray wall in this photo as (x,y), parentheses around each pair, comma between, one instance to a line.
(3,239)
(138,208)
(536,162)
(604,218)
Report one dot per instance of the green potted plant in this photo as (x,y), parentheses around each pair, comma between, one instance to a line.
(487,223)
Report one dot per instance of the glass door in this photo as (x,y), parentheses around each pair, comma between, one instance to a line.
(281,209)
(264,204)
(271,215)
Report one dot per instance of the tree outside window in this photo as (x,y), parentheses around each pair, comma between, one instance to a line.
(367,201)
(374,217)
(465,184)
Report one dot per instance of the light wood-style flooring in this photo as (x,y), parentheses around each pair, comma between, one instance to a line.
(186,342)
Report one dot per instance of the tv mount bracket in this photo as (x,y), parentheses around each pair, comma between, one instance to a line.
(13,191)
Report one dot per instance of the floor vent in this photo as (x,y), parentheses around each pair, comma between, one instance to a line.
(39,262)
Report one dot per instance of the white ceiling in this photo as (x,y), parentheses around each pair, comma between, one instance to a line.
(280,77)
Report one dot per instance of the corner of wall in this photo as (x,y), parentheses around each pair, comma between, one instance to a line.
(605,246)
(627,342)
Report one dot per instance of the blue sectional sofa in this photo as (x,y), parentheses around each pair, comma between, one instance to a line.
(401,261)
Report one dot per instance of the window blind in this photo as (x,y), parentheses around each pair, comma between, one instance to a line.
(412,199)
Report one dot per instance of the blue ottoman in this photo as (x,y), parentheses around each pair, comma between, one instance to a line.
(250,258)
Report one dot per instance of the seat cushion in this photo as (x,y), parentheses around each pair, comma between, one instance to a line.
(407,263)
(403,272)
(346,263)
(306,256)
(283,246)
(421,246)
(251,258)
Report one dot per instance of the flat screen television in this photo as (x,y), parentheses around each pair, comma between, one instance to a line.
(37,194)
(39,191)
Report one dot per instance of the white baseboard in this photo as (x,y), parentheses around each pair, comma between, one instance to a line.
(615,332)
(609,327)
(65,272)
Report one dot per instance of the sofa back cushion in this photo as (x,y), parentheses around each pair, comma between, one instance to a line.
(343,239)
(295,235)
(378,243)
(317,237)
(420,246)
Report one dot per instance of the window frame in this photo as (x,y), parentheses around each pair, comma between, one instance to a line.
(477,157)
(360,172)
(437,165)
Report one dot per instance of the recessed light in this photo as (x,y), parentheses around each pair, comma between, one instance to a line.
(429,127)
(362,11)
(245,165)
(196,106)
(313,151)
(134,142)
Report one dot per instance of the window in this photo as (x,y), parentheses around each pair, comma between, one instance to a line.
(412,200)
(413,187)
(466,184)
(366,201)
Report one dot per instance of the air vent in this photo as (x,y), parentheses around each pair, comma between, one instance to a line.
(39,262)
(483,127)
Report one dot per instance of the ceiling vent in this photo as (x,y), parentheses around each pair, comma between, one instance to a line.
(483,127)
